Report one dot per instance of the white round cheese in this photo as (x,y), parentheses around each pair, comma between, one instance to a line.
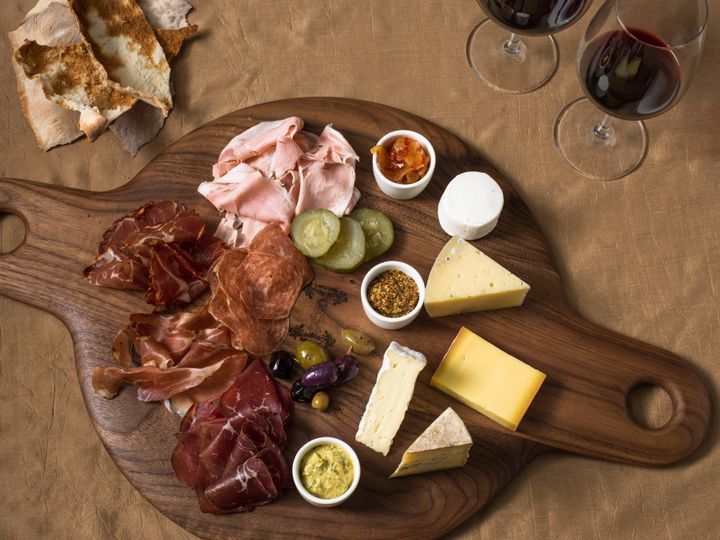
(470,205)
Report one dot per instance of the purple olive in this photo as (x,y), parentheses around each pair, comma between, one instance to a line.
(321,375)
(347,368)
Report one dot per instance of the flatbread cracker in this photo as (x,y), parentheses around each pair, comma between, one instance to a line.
(125,44)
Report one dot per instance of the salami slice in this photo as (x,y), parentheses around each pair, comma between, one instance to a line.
(257,336)
(274,241)
(269,285)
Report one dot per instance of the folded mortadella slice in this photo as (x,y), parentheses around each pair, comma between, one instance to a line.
(246,192)
(327,175)
(255,141)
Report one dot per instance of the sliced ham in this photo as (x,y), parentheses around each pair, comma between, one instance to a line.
(255,141)
(273,171)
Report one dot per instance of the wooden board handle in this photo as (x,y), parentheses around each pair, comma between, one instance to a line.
(61,226)
(584,407)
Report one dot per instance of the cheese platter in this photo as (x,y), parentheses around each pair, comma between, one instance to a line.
(580,404)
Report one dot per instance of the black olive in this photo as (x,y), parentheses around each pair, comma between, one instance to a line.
(281,364)
(302,394)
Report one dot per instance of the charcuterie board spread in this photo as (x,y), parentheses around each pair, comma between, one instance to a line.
(569,380)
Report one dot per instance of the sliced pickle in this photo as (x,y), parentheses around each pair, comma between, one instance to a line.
(348,252)
(378,229)
(315,231)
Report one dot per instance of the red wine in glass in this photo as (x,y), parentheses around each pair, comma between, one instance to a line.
(539,17)
(630,73)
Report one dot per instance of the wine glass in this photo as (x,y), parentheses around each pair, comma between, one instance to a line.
(635,61)
(504,61)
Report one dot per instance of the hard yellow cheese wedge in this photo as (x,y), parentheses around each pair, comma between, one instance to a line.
(464,279)
(487,379)
(445,444)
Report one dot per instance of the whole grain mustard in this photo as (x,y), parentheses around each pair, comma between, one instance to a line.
(393,294)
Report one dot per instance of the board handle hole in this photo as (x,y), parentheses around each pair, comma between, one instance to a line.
(650,405)
(12,231)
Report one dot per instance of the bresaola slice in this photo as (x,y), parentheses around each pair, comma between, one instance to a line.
(226,450)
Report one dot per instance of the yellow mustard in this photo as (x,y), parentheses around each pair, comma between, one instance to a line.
(327,471)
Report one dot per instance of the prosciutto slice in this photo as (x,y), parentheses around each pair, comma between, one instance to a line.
(230,451)
(273,171)
(159,248)
(187,356)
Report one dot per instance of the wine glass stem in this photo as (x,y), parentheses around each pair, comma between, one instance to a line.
(603,130)
(513,45)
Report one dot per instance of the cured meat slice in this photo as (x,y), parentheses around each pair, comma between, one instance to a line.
(153,353)
(228,265)
(205,251)
(255,389)
(123,346)
(269,285)
(274,240)
(196,319)
(116,269)
(273,171)
(229,450)
(250,193)
(154,383)
(148,215)
(278,467)
(324,185)
(251,439)
(173,279)
(257,336)
(160,248)
(255,141)
(176,341)
(252,484)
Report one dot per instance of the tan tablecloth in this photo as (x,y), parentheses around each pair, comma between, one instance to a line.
(640,256)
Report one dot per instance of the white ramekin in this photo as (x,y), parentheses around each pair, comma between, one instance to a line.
(404,191)
(309,497)
(391,323)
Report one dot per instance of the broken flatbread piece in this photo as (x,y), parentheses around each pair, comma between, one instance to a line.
(48,23)
(73,78)
(137,127)
(125,44)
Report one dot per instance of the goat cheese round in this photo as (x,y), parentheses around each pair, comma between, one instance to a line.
(470,205)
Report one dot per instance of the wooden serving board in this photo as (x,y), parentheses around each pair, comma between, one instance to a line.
(582,407)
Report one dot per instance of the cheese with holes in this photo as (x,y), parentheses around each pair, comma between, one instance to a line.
(445,444)
(487,379)
(464,279)
(390,397)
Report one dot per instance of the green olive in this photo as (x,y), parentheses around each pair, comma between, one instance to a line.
(309,354)
(320,401)
(356,341)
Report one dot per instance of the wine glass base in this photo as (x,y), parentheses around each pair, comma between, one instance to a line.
(523,69)
(609,158)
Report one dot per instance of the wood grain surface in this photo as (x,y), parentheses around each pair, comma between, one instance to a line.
(582,407)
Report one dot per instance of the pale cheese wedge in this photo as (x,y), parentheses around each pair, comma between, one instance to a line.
(464,279)
(445,444)
(390,397)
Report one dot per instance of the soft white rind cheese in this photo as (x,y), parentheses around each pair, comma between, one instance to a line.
(464,279)
(470,205)
(390,397)
(445,444)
